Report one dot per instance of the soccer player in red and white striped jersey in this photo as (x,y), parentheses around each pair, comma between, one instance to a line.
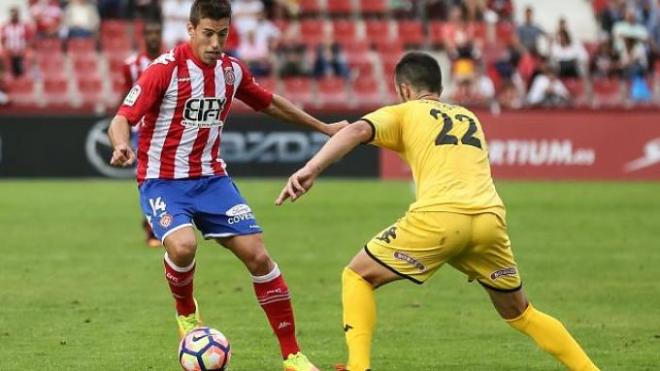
(182,101)
(131,71)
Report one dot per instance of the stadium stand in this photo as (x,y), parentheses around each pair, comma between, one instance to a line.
(85,72)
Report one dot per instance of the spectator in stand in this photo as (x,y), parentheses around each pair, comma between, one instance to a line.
(291,54)
(146,9)
(612,14)
(634,61)
(477,91)
(569,56)
(109,9)
(16,37)
(175,21)
(474,10)
(605,62)
(330,60)
(547,90)
(254,51)
(81,19)
(267,32)
(460,48)
(654,32)
(246,14)
(529,32)
(47,15)
(630,27)
(503,8)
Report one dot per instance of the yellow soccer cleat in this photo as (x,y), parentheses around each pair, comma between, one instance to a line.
(189,322)
(298,362)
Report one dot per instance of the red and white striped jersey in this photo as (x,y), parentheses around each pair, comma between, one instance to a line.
(15,37)
(183,105)
(133,68)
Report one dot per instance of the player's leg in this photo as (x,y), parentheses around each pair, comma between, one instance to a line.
(179,261)
(546,331)
(359,280)
(414,248)
(230,221)
(489,259)
(167,209)
(272,294)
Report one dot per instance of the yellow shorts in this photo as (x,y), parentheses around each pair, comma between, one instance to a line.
(478,245)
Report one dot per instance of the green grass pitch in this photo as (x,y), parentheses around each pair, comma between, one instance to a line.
(79,291)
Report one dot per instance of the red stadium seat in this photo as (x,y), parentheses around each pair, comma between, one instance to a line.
(378,32)
(356,51)
(504,32)
(391,51)
(312,32)
(90,89)
(361,68)
(332,92)
(340,7)
(367,92)
(85,66)
(309,7)
(607,92)
(114,29)
(81,46)
(375,7)
(411,33)
(299,90)
(48,46)
(56,90)
(50,63)
(282,24)
(268,83)
(478,30)
(118,46)
(21,91)
(390,91)
(344,31)
(437,33)
(388,69)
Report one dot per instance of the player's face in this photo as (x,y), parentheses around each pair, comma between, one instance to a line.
(152,37)
(208,38)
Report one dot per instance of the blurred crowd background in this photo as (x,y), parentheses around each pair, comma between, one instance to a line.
(340,54)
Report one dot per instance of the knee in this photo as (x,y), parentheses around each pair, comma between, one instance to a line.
(258,262)
(182,251)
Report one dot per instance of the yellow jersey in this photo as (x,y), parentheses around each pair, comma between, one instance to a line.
(446,149)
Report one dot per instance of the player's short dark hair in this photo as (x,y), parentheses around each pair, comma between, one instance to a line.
(153,21)
(420,70)
(213,9)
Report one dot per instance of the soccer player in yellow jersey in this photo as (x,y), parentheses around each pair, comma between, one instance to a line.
(457,218)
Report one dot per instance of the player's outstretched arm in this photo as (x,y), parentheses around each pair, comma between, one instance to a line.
(338,146)
(120,134)
(282,109)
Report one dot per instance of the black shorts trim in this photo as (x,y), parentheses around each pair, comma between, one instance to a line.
(500,290)
(390,268)
(373,131)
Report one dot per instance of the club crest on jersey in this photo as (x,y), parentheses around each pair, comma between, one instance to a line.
(165,220)
(229,76)
(203,112)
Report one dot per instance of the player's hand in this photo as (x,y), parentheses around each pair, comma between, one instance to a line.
(332,129)
(122,155)
(299,183)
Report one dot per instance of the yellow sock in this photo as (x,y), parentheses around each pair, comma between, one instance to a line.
(359,319)
(551,336)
